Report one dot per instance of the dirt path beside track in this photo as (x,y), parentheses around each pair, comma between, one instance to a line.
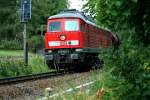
(35,89)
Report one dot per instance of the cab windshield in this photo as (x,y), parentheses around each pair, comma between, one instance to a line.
(55,26)
(71,25)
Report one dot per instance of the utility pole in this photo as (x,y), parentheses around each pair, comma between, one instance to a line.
(25,46)
(25,17)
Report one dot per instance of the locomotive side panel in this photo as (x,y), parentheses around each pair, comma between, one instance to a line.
(96,37)
(85,35)
(105,39)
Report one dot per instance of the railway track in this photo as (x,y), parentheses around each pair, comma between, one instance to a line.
(19,79)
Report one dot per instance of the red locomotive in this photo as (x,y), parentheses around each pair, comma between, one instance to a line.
(73,40)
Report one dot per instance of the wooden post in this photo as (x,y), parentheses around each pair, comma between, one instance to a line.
(25,44)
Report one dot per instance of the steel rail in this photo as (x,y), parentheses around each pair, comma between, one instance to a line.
(19,79)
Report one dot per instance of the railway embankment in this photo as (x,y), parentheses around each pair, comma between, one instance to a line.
(101,86)
(36,89)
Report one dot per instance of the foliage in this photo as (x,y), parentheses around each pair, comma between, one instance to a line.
(47,8)
(13,68)
(8,19)
(38,65)
(10,66)
(131,15)
(130,20)
(10,44)
(11,28)
(35,42)
(132,64)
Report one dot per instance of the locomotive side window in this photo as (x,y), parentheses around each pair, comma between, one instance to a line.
(55,26)
(71,25)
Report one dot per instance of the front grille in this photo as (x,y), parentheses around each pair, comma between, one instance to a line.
(63,51)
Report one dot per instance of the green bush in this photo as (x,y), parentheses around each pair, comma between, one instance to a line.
(10,44)
(13,68)
(132,63)
(38,65)
(35,43)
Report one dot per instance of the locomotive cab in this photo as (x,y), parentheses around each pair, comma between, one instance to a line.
(63,33)
(63,40)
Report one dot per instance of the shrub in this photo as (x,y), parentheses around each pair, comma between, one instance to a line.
(38,65)
(132,64)
(10,44)
(35,43)
(13,68)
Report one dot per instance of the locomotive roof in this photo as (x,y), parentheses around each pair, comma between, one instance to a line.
(75,14)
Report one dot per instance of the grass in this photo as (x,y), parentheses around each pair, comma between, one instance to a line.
(38,65)
(11,53)
(11,66)
(4,53)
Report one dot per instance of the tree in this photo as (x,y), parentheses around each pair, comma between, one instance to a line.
(8,10)
(10,27)
(41,10)
(131,20)
(141,21)
(124,15)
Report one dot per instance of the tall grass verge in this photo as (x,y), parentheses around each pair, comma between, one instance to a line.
(38,65)
(10,44)
(13,67)
(106,87)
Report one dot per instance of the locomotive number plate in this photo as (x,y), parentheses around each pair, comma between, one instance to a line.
(63,43)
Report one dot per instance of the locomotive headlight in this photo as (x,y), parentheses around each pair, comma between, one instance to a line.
(49,51)
(62,37)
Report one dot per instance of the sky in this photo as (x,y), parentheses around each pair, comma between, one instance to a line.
(76,4)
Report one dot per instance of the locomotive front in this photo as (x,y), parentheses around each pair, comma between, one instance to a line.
(63,41)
